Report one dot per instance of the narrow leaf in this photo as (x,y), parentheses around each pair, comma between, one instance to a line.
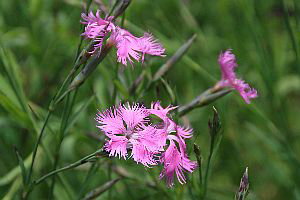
(121,89)
(174,59)
(100,190)
(169,90)
(22,166)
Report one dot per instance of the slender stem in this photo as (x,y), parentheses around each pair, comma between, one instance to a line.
(114,92)
(136,83)
(109,178)
(203,99)
(88,5)
(66,114)
(91,172)
(88,69)
(70,166)
(100,190)
(49,113)
(63,95)
(36,145)
(112,9)
(49,156)
(200,171)
(52,108)
(212,142)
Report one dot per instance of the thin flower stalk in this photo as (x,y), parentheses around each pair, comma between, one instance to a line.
(207,97)
(83,56)
(84,160)
(214,129)
(63,127)
(87,70)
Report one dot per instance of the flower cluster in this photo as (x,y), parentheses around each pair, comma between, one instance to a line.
(128,46)
(132,132)
(227,62)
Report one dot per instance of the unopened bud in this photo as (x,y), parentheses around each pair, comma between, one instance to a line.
(244,187)
(214,124)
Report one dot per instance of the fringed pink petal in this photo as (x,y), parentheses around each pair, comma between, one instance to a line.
(158,110)
(184,132)
(175,162)
(127,48)
(96,28)
(245,90)
(110,122)
(152,138)
(133,115)
(228,64)
(142,155)
(117,146)
(149,45)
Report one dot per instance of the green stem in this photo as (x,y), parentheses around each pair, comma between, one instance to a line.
(36,146)
(212,142)
(66,114)
(114,93)
(52,106)
(50,110)
(109,178)
(200,172)
(84,185)
(71,166)
(88,69)
(203,99)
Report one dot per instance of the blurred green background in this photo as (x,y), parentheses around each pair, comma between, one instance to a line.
(39,40)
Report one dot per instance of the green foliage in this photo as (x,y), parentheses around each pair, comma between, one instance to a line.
(38,46)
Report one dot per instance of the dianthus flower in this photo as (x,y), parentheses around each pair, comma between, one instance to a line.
(128,46)
(227,62)
(174,158)
(129,128)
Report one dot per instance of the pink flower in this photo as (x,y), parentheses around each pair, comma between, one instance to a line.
(125,126)
(129,47)
(176,162)
(131,128)
(159,111)
(227,62)
(96,28)
(149,45)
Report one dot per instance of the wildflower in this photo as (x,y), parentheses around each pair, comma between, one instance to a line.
(125,126)
(227,62)
(175,159)
(131,128)
(128,46)
(169,125)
